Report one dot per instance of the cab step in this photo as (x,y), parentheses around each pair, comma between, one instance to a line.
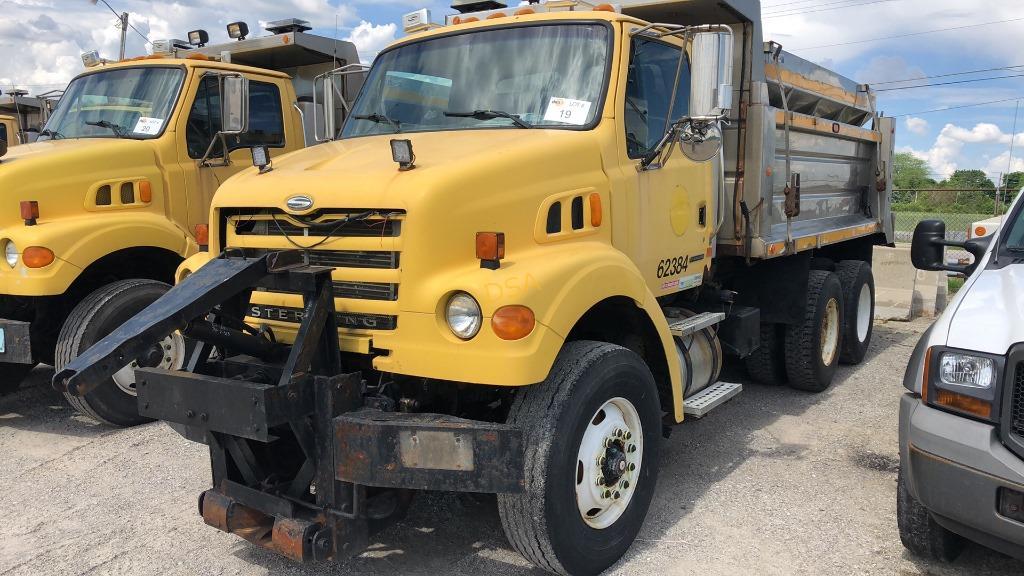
(710,398)
(687,326)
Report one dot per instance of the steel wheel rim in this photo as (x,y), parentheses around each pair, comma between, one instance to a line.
(830,332)
(608,463)
(173,358)
(863,313)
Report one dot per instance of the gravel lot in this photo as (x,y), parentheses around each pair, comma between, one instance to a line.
(775,482)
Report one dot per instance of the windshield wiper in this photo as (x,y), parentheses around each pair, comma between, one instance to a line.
(116,129)
(379,119)
(490,115)
(53,134)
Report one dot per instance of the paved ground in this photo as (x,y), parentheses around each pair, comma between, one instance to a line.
(775,482)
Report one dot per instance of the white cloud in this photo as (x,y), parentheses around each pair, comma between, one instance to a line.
(999,164)
(947,153)
(917,125)
(370,39)
(47,37)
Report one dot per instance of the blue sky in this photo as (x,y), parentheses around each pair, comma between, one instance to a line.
(47,37)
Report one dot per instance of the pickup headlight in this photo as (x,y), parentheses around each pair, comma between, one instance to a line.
(11,253)
(463,315)
(964,382)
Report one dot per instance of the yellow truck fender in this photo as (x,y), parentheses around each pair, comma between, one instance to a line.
(562,284)
(80,242)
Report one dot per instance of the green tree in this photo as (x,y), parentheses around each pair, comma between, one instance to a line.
(969,180)
(910,172)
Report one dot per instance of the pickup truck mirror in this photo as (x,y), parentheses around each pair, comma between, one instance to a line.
(711,74)
(928,251)
(234,108)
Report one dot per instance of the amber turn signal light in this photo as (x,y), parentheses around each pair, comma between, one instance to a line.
(513,322)
(490,249)
(596,215)
(965,404)
(37,257)
(203,234)
(29,212)
(145,191)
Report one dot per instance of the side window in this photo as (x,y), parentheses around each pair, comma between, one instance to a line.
(3,133)
(652,72)
(266,120)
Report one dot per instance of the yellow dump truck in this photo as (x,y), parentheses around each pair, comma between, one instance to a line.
(116,194)
(543,231)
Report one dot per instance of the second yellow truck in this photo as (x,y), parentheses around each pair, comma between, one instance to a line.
(97,215)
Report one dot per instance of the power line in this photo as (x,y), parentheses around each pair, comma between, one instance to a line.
(910,34)
(945,75)
(796,11)
(948,83)
(958,107)
(765,10)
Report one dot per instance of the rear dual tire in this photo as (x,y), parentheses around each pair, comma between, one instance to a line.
(814,344)
(858,285)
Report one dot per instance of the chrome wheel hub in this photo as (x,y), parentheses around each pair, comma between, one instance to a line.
(608,463)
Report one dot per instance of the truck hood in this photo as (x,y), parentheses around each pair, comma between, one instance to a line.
(60,173)
(366,175)
(989,314)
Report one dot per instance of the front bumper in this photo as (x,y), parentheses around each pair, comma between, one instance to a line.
(15,342)
(955,467)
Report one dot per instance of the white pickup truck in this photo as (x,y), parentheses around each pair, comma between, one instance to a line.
(962,421)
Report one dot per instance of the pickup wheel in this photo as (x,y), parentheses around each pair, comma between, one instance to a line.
(813,345)
(919,532)
(859,309)
(11,376)
(767,364)
(591,432)
(114,401)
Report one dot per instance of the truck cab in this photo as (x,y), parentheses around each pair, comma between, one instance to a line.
(99,213)
(962,418)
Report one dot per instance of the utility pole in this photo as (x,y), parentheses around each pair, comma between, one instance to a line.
(124,31)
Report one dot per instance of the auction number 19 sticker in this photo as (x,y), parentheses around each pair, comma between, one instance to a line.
(568,111)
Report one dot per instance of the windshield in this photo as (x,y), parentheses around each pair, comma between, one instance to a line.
(124,103)
(550,76)
(1014,227)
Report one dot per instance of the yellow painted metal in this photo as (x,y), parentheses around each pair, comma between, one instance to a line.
(807,123)
(64,175)
(11,128)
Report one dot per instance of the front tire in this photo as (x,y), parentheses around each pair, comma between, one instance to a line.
(919,532)
(114,401)
(813,345)
(591,432)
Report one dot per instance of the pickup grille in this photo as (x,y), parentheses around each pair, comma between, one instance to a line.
(364,253)
(1017,401)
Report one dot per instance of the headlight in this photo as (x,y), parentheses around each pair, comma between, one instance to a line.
(463,315)
(964,382)
(967,370)
(11,253)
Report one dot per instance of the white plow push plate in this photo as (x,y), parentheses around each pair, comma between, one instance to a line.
(436,450)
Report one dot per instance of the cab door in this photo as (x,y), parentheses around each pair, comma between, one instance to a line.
(670,206)
(203,122)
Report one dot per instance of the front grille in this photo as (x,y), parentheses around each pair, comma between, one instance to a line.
(380,260)
(1017,401)
(364,253)
(325,228)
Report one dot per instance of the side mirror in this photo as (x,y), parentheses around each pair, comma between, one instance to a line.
(711,74)
(928,251)
(234,107)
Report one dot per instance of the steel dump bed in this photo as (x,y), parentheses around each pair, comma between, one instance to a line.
(839,148)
